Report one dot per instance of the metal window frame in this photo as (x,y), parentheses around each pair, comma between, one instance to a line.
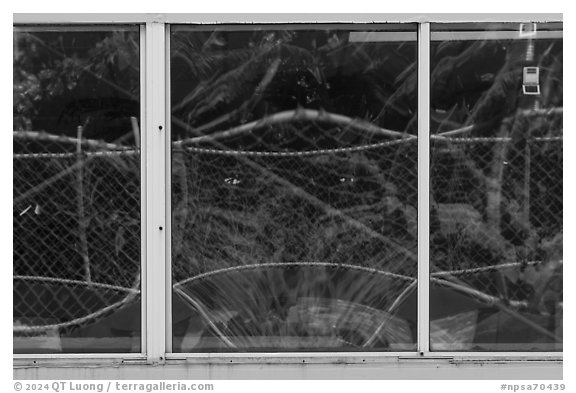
(168,263)
(116,357)
(156,345)
(423,329)
(257,18)
(156,162)
(143,193)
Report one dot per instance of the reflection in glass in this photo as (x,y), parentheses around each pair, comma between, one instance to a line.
(76,192)
(496,187)
(294,188)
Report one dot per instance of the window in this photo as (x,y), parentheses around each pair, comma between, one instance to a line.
(294,188)
(496,188)
(77,189)
(282,205)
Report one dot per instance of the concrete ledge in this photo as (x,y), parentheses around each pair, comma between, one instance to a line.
(394,368)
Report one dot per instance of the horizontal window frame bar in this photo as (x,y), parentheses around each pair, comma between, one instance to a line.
(83,18)
(84,359)
(491,35)
(391,354)
(91,355)
(407,29)
(103,355)
(355,358)
(81,28)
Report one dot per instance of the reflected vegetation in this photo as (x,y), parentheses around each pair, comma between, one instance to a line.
(294,189)
(76,190)
(496,185)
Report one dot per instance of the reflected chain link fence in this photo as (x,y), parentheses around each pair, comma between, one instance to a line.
(304,233)
(243,207)
(496,220)
(76,226)
(338,199)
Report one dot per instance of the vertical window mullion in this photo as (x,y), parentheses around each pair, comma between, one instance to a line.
(423,187)
(155,174)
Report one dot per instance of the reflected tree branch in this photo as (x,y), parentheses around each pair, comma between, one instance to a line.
(294,116)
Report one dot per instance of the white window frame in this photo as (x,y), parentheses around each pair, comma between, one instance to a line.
(156,292)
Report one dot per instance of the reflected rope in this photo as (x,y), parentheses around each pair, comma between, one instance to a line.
(76,282)
(300,114)
(299,153)
(130,152)
(353,149)
(198,306)
(493,139)
(486,268)
(77,321)
(44,136)
(288,264)
(133,291)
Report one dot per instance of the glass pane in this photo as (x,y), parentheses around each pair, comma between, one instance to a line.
(76,190)
(294,188)
(496,187)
